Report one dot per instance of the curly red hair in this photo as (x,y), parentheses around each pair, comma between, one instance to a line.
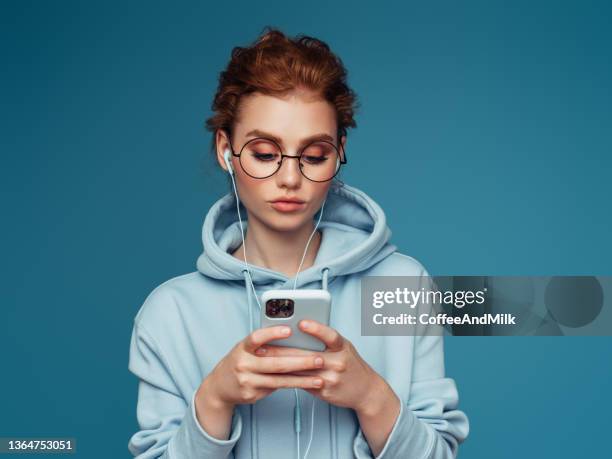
(275,64)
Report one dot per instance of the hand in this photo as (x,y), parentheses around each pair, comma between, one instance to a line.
(348,381)
(245,376)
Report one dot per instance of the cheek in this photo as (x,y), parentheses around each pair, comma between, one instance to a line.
(249,192)
(318,194)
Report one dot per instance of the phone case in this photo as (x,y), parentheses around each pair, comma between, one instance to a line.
(312,304)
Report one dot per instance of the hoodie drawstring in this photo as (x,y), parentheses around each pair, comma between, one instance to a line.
(252,414)
(324,278)
(245,273)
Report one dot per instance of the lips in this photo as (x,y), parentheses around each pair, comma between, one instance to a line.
(288,199)
(288,204)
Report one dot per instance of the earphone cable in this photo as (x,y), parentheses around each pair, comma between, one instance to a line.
(312,411)
(243,242)
(307,244)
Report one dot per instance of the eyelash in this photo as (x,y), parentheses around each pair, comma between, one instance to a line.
(263,156)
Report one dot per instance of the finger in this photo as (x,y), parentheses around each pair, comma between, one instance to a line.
(307,373)
(332,339)
(271,350)
(287,364)
(286,381)
(263,335)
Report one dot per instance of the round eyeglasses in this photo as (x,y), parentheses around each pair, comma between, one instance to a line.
(319,161)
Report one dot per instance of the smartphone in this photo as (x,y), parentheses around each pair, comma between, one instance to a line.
(288,307)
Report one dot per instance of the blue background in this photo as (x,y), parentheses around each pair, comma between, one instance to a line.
(484,133)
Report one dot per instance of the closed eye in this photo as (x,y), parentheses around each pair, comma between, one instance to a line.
(314,159)
(264,156)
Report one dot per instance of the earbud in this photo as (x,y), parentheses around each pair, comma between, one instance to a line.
(228,161)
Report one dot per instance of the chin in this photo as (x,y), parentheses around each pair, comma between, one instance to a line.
(286,222)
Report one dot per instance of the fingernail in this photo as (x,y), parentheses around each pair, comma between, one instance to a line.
(305,324)
(285,330)
(318,361)
(261,351)
(317,383)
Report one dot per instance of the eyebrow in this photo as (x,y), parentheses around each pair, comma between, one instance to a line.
(312,138)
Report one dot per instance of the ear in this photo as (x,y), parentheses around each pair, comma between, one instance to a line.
(222,143)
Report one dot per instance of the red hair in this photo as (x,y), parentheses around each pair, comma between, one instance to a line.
(275,64)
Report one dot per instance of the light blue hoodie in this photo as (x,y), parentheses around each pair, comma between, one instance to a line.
(189,323)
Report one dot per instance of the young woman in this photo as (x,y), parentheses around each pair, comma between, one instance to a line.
(210,385)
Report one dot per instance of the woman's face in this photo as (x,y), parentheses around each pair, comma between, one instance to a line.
(293,120)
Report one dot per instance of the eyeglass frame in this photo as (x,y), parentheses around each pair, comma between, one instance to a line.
(343,158)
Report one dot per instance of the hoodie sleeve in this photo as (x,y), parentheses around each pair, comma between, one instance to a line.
(429,425)
(168,425)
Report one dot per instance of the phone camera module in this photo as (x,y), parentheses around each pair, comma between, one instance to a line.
(279,308)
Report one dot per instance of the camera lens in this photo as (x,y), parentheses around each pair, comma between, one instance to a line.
(279,308)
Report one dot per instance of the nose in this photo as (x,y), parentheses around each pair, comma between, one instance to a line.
(289,174)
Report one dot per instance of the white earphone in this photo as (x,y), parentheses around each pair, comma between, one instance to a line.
(228,161)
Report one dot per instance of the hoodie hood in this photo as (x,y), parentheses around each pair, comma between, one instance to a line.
(355,236)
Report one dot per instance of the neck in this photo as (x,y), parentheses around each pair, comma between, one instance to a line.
(279,251)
